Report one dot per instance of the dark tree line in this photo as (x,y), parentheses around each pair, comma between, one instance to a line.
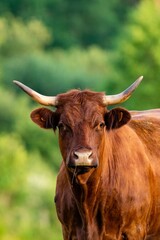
(75,23)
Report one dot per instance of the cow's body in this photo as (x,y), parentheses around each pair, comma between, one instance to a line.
(121,199)
(108,186)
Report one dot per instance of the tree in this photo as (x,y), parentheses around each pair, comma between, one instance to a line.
(27,186)
(75,23)
(17,37)
(58,71)
(137,53)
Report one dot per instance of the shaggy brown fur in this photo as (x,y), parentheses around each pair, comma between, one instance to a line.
(118,197)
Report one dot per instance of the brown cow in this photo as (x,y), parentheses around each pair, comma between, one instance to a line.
(108,186)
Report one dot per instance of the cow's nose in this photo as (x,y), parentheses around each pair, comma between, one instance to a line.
(83,157)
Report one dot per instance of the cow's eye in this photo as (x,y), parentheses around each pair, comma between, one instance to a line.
(62,127)
(100,126)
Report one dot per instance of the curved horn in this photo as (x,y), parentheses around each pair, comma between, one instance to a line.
(123,96)
(44,100)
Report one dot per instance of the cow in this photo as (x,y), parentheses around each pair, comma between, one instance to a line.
(108,185)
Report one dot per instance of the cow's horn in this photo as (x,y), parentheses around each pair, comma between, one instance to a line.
(123,96)
(44,100)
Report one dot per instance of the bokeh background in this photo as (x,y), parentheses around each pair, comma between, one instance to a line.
(53,46)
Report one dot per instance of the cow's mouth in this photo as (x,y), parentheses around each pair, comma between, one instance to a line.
(82,170)
(77,170)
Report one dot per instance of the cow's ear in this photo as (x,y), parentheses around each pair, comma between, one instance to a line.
(45,118)
(116,118)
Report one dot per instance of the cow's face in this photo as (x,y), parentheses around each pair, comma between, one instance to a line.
(81,129)
(83,122)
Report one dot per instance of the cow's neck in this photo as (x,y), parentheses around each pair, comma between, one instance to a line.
(84,186)
(85,190)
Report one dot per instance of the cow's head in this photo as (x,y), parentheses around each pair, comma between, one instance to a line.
(82,119)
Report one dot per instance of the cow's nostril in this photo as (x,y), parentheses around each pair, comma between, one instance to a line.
(75,155)
(90,155)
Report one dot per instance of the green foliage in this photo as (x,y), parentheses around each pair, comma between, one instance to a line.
(59,71)
(27,187)
(12,162)
(137,52)
(72,22)
(18,37)
(7,118)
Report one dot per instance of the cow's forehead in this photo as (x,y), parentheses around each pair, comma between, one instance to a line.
(80,97)
(77,106)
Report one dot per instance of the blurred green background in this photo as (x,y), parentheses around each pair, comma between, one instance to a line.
(53,46)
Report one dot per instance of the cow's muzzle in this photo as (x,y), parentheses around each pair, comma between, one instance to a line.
(82,158)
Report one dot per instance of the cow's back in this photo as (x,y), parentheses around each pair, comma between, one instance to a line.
(146,124)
